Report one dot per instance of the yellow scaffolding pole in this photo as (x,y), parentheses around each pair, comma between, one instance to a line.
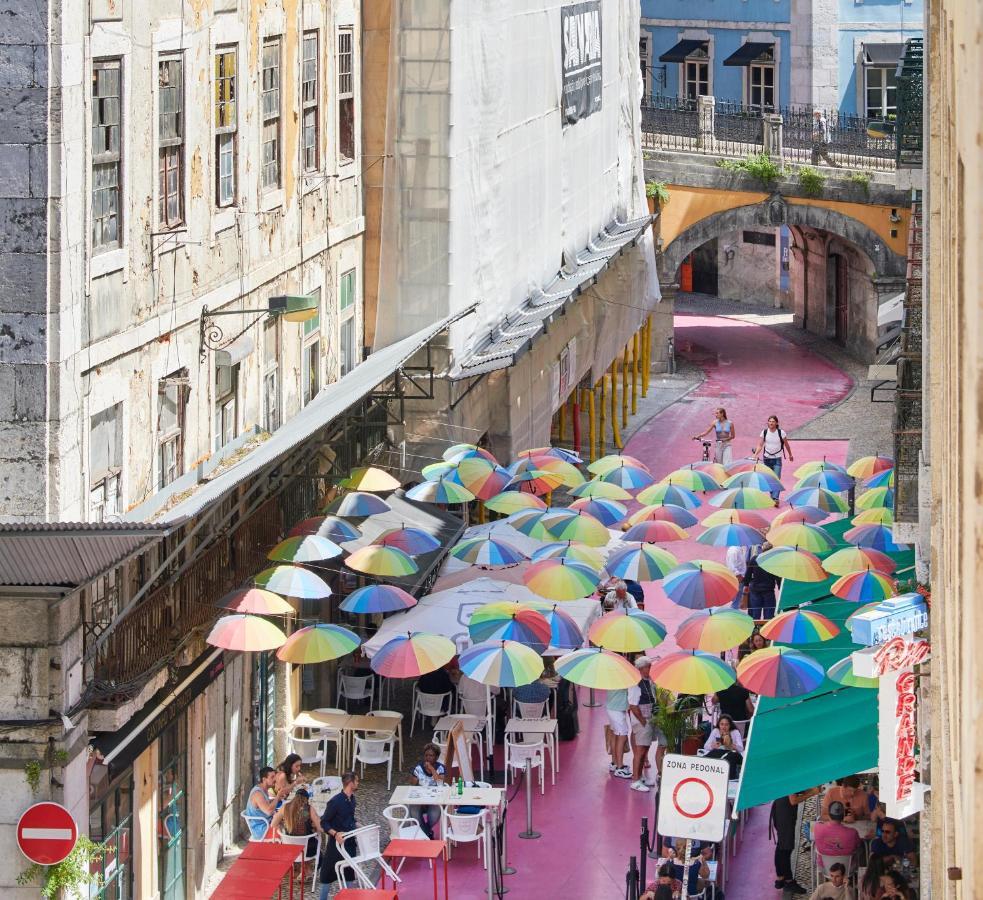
(591,426)
(634,373)
(603,419)
(624,390)
(615,430)
(646,355)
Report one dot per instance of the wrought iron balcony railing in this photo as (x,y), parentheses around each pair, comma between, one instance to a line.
(910,127)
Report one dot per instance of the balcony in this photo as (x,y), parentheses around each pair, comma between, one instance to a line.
(910,125)
(718,128)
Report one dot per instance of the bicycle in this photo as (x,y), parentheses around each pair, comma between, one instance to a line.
(706,449)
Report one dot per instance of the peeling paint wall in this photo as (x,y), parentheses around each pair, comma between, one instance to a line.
(84,330)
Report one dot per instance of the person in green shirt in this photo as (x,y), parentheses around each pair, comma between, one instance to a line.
(616,706)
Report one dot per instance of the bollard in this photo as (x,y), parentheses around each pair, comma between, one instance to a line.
(643,841)
(529,834)
(633,888)
(506,868)
(592,702)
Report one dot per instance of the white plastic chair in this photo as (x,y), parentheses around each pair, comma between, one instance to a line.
(477,708)
(332,735)
(404,827)
(531,710)
(398,717)
(303,854)
(367,851)
(310,750)
(465,828)
(516,754)
(431,706)
(373,752)
(357,687)
(257,822)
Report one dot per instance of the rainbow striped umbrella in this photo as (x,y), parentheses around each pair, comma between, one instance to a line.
(881,479)
(496,482)
(256,601)
(699,584)
(761,481)
(593,667)
(308,548)
(627,631)
(842,673)
(692,479)
(714,630)
(602,490)
(607,512)
(369,478)
(245,633)
(731,536)
(641,562)
(439,469)
(571,475)
(292,581)
(655,532)
(487,551)
(667,513)
(818,465)
(714,469)
(792,563)
(808,537)
(798,515)
(736,517)
(580,527)
(357,505)
(856,559)
(330,527)
(560,579)
(386,562)
(780,672)
(628,477)
(876,497)
(530,523)
(318,643)
(502,621)
(867,466)
(409,540)
(819,498)
(572,551)
(799,626)
(565,633)
(377,598)
(480,477)
(606,463)
(502,664)
(878,515)
(876,537)
(443,490)
(510,502)
(413,654)
(828,479)
(863,587)
(747,465)
(743,498)
(668,494)
(458,452)
(536,481)
(692,672)
(557,452)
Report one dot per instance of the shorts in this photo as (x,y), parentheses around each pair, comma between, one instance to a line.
(618,719)
(643,735)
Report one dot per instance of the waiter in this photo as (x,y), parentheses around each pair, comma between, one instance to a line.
(337,821)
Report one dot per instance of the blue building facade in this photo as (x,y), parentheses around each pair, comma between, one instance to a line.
(769,54)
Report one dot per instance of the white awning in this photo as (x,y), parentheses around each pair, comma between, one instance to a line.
(891,310)
(330,403)
(237,351)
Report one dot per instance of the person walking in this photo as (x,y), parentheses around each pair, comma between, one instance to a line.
(773,447)
(782,823)
(737,560)
(338,820)
(724,434)
(821,139)
(761,587)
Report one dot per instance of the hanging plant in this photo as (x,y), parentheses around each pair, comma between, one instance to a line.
(71,877)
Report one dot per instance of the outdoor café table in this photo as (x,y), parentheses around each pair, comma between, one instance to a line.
(543,728)
(246,887)
(267,863)
(413,849)
(345,723)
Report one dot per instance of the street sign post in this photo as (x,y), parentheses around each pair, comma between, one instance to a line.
(46,833)
(693,797)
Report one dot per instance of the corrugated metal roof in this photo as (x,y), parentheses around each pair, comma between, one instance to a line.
(67,554)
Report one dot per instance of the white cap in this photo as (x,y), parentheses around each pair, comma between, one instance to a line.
(642,662)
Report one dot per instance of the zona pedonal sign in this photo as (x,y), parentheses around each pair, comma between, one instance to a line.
(693,797)
(46,833)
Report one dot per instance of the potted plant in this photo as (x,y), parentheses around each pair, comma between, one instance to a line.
(672,716)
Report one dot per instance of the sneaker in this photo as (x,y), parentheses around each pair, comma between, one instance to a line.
(779,883)
(793,887)
(611,767)
(651,780)
(623,772)
(640,786)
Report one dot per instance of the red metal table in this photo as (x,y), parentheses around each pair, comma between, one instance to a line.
(406,849)
(363,894)
(236,886)
(279,859)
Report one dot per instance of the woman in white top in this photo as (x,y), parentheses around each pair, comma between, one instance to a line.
(724,434)
(773,447)
(725,736)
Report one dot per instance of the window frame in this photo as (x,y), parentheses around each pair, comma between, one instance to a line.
(310,150)
(226,122)
(762,67)
(686,80)
(108,480)
(310,354)
(107,159)
(346,124)
(883,89)
(271,119)
(271,375)
(229,398)
(170,148)
(173,436)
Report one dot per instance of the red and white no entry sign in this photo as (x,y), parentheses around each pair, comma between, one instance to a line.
(693,797)
(46,833)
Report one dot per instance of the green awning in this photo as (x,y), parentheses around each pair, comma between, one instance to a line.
(794,744)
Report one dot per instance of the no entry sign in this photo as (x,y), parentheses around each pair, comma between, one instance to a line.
(693,797)
(46,833)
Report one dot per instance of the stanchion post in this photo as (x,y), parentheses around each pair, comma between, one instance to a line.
(644,846)
(506,868)
(591,702)
(529,834)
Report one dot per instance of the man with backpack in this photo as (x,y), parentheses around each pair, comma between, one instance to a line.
(773,447)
